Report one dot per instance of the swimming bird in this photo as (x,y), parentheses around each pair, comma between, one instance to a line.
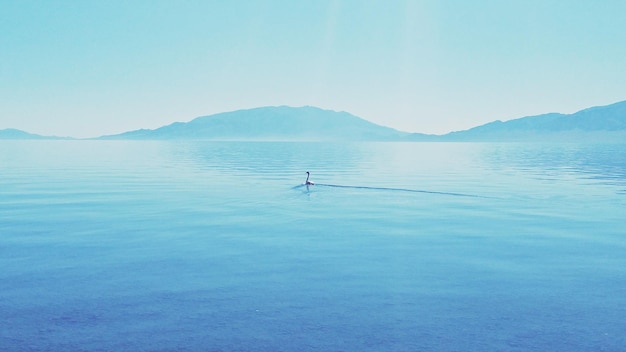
(307,182)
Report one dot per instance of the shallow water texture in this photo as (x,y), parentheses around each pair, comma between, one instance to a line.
(215,246)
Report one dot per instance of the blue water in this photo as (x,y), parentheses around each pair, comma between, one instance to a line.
(215,246)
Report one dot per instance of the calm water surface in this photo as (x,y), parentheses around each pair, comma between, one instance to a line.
(209,246)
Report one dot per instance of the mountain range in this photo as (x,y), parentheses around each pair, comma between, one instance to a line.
(593,124)
(12,133)
(602,123)
(272,123)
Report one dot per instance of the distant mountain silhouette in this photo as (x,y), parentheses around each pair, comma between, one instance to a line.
(596,124)
(602,123)
(11,133)
(272,123)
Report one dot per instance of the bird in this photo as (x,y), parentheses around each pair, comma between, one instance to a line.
(307,182)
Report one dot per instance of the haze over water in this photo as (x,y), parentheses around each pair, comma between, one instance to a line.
(209,246)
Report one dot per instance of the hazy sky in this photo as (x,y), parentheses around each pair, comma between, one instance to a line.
(86,68)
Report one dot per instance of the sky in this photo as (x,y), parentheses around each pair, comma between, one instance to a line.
(87,68)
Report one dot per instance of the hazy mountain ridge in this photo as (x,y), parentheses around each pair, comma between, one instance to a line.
(12,133)
(272,123)
(596,123)
(278,123)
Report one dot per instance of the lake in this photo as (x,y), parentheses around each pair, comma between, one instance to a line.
(218,246)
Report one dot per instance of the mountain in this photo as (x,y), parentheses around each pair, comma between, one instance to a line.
(283,123)
(11,133)
(599,123)
(272,123)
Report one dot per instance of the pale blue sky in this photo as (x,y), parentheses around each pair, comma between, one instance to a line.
(86,68)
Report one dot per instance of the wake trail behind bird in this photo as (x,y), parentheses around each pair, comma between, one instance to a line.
(395,190)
